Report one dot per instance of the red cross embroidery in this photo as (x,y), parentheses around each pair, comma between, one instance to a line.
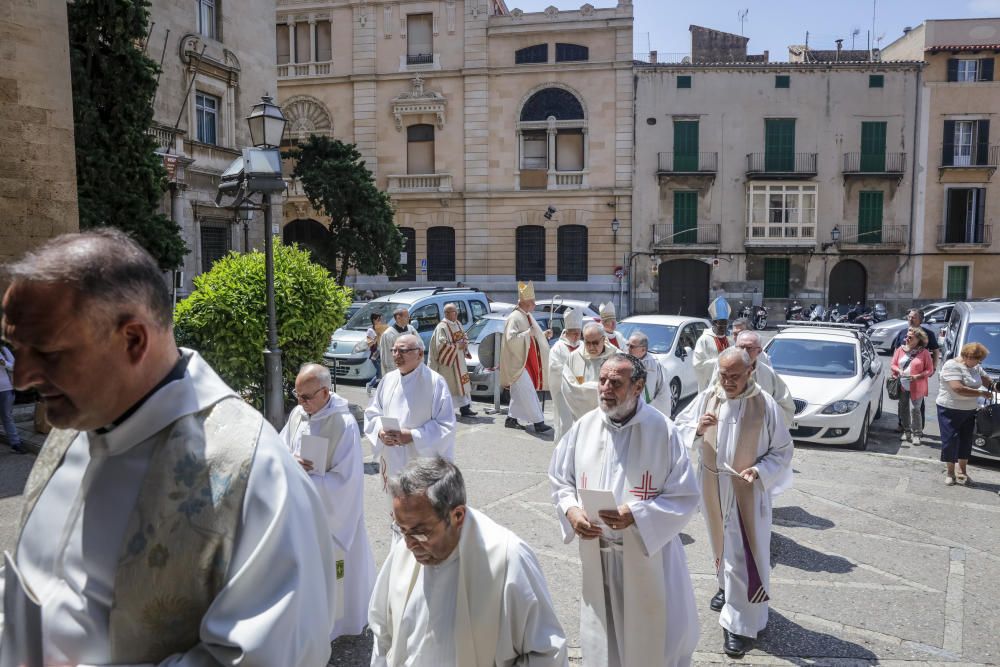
(645,491)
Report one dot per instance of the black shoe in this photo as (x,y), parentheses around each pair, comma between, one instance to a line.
(466,411)
(735,646)
(512,423)
(18,449)
(718,601)
(540,427)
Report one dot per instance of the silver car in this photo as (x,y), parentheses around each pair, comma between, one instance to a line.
(482,379)
(883,335)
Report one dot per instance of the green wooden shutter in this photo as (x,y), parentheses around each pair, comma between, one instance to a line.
(685,217)
(873,146)
(958,282)
(776,278)
(685,145)
(779,144)
(870,217)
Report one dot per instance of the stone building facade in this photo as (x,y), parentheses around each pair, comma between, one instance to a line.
(791,179)
(38,171)
(217,62)
(958,192)
(478,121)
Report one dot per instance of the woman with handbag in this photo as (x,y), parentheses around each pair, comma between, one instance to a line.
(963,383)
(911,366)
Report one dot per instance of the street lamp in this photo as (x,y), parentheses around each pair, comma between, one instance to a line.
(267,124)
(615,226)
(244,214)
(834,238)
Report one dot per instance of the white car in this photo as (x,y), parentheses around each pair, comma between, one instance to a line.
(883,335)
(561,305)
(671,341)
(836,379)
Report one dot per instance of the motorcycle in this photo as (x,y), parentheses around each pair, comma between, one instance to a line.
(880,314)
(759,318)
(853,313)
(866,317)
(817,313)
(794,312)
(833,315)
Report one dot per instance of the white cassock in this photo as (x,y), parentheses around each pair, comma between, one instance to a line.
(525,350)
(657,390)
(580,377)
(389,337)
(637,606)
(421,401)
(273,608)
(487,604)
(340,481)
(770,383)
(617,340)
(707,349)
(557,360)
(774,466)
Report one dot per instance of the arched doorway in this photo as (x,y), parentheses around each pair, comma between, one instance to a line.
(684,287)
(848,283)
(313,236)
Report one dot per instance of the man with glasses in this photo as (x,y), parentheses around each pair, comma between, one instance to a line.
(579,388)
(449,345)
(656,391)
(400,325)
(323,417)
(763,374)
(417,402)
(458,589)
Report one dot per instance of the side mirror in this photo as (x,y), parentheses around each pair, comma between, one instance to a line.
(933,320)
(683,352)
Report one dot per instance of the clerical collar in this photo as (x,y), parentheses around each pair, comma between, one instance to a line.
(176,373)
(398,328)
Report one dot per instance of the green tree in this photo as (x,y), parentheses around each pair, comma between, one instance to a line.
(225,318)
(120,179)
(337,183)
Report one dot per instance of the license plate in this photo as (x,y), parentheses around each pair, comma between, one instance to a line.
(795,425)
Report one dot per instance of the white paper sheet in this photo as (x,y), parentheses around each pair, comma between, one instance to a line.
(390,423)
(314,450)
(595,500)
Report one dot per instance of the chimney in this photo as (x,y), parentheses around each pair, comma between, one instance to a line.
(840,47)
(652,57)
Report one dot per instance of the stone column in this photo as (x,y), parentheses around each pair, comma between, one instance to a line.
(551,149)
(291,41)
(313,52)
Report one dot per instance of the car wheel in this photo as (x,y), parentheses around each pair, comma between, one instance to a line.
(675,393)
(861,444)
(881,397)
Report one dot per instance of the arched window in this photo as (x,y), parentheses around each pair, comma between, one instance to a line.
(553,138)
(572,253)
(539,53)
(557,102)
(571,53)
(530,253)
(409,265)
(441,254)
(420,149)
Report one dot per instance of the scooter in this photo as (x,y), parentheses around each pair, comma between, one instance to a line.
(817,313)
(759,318)
(880,314)
(794,312)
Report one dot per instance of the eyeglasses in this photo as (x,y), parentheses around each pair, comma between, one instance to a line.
(631,345)
(403,350)
(305,398)
(423,537)
(749,348)
(594,343)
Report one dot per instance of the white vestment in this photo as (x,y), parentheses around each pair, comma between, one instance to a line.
(774,466)
(446,356)
(487,604)
(520,332)
(275,607)
(769,383)
(340,481)
(557,360)
(706,355)
(389,337)
(637,606)
(617,340)
(421,401)
(579,382)
(657,389)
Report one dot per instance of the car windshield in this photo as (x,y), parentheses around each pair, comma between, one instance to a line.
(483,327)
(362,319)
(661,336)
(813,358)
(987,333)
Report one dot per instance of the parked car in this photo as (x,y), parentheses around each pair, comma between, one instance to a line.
(883,334)
(482,378)
(835,378)
(501,307)
(347,355)
(976,322)
(353,308)
(562,305)
(671,341)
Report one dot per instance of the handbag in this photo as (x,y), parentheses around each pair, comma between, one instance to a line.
(988,418)
(892,387)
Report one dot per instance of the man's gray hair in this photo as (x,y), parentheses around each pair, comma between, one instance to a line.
(638,369)
(735,352)
(449,305)
(742,322)
(916,311)
(591,326)
(641,338)
(400,310)
(318,371)
(437,478)
(110,272)
(747,334)
(417,340)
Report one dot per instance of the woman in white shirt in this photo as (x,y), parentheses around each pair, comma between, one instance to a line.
(963,383)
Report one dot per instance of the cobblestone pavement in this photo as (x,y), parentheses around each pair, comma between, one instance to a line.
(874,559)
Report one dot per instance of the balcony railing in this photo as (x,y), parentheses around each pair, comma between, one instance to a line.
(892,164)
(977,159)
(980,235)
(295,70)
(166,137)
(688,163)
(668,235)
(886,235)
(780,234)
(567,180)
(795,165)
(407,183)
(420,59)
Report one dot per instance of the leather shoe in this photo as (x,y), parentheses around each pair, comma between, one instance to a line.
(512,423)
(540,427)
(735,646)
(466,411)
(718,601)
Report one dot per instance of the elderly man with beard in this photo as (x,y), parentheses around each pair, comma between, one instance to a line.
(746,459)
(568,342)
(578,387)
(637,606)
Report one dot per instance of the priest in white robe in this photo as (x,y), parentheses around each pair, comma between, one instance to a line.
(524,359)
(449,345)
(458,590)
(579,389)
(419,401)
(568,342)
(711,343)
(656,391)
(763,374)
(637,606)
(745,452)
(164,522)
(609,322)
(400,326)
(741,324)
(324,417)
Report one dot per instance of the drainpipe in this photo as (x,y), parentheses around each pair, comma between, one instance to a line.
(913,177)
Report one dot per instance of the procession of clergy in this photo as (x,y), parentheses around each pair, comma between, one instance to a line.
(458,589)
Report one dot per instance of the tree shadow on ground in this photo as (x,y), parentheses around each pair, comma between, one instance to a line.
(786,639)
(790,553)
(799,518)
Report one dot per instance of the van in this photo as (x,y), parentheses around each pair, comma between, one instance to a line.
(347,355)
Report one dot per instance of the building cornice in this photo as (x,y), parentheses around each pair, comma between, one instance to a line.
(899,65)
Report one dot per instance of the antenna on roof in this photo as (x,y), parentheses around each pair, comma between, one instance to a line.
(743,18)
(854,33)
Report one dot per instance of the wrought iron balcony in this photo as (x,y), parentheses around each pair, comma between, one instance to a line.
(688,164)
(987,158)
(874,164)
(420,59)
(887,235)
(670,235)
(781,165)
(960,235)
